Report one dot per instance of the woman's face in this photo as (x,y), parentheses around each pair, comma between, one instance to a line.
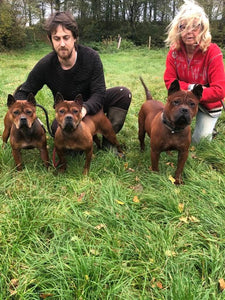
(189,32)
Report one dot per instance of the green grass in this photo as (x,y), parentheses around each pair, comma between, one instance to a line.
(70,236)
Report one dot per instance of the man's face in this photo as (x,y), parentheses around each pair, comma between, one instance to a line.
(63,42)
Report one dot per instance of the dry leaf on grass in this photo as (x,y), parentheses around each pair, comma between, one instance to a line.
(170,164)
(221,284)
(187,220)
(13,285)
(136,200)
(45,295)
(137,188)
(172,179)
(194,219)
(94,252)
(120,202)
(100,226)
(86,277)
(181,207)
(170,253)
(80,198)
(159,285)
(184,219)
(126,165)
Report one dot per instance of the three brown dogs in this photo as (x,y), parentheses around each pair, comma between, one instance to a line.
(76,133)
(24,129)
(168,126)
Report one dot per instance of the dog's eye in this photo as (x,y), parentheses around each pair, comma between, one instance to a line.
(62,111)
(16,112)
(176,102)
(191,104)
(75,111)
(28,112)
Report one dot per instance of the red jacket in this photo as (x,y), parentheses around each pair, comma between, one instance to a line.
(204,68)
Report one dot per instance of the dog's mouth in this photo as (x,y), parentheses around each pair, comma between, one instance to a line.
(69,124)
(183,120)
(69,127)
(23,124)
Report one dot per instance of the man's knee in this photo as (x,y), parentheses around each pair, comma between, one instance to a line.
(118,97)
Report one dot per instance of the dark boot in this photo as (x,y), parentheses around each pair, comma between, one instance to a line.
(117,117)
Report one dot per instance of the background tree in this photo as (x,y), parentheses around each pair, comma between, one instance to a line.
(101,20)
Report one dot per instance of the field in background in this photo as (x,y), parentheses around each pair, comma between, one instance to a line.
(122,232)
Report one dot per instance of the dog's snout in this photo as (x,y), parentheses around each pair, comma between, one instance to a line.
(184,110)
(69,118)
(23,120)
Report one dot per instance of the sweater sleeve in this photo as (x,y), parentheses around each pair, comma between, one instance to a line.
(216,77)
(97,87)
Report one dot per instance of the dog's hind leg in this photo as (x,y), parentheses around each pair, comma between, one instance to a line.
(141,131)
(97,141)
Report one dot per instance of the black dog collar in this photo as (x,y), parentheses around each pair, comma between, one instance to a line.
(169,126)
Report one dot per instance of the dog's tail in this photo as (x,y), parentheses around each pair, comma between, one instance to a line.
(147,92)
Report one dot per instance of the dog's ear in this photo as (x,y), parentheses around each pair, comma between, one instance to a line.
(174,87)
(58,98)
(11,100)
(79,99)
(197,91)
(31,99)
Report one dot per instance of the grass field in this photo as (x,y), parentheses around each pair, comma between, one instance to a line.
(122,232)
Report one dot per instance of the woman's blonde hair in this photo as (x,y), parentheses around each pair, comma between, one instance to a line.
(190,13)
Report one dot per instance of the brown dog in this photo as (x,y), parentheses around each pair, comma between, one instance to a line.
(77,134)
(24,129)
(169,126)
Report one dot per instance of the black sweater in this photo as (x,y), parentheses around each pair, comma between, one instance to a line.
(86,77)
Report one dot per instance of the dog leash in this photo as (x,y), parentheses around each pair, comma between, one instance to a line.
(47,120)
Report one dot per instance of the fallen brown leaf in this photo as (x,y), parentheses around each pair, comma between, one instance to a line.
(137,188)
(45,295)
(170,164)
(159,285)
(136,200)
(181,207)
(194,219)
(100,226)
(221,284)
(13,285)
(80,198)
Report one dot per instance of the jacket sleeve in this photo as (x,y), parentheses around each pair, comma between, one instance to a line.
(216,77)
(170,73)
(97,88)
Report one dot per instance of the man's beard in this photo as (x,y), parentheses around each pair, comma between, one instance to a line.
(66,55)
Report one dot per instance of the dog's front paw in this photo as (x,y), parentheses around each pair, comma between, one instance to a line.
(4,145)
(178,181)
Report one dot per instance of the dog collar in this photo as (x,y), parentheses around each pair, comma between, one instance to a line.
(169,126)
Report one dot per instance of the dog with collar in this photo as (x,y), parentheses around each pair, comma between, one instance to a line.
(75,133)
(24,129)
(168,126)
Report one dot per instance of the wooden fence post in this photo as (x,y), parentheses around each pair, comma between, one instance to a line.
(119,41)
(149,42)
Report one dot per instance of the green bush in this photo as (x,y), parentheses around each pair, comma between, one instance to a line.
(12,33)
